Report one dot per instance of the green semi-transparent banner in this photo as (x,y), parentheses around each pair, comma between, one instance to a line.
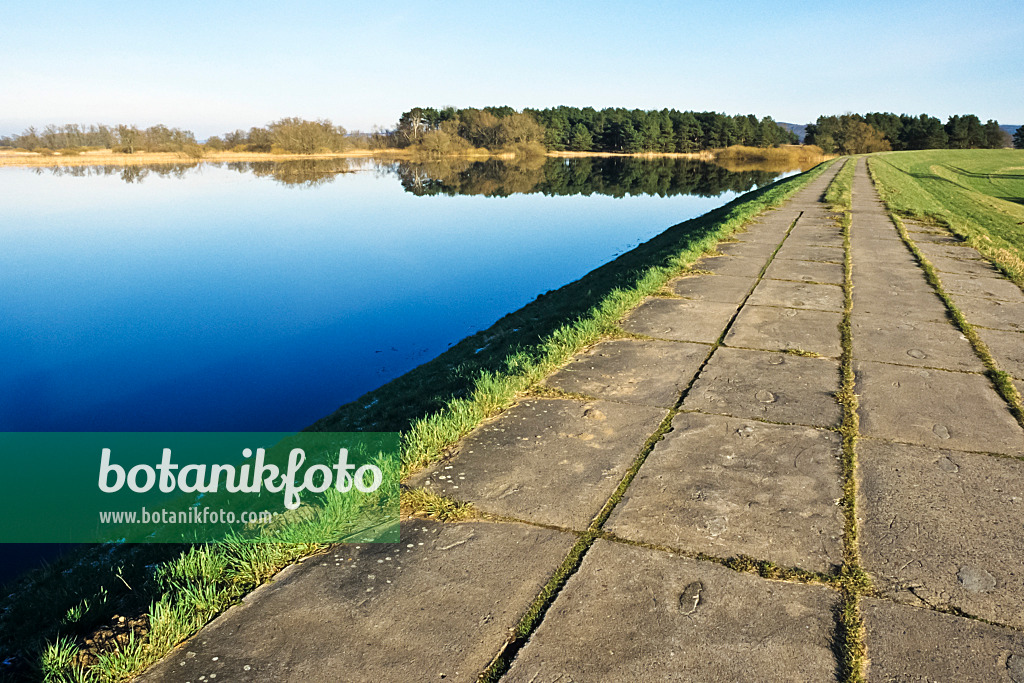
(199,487)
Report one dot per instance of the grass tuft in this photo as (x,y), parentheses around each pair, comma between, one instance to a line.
(425,503)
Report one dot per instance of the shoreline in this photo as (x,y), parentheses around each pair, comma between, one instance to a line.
(10,158)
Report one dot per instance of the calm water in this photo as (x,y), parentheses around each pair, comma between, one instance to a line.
(263,296)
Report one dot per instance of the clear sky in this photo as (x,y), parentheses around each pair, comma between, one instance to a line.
(213,66)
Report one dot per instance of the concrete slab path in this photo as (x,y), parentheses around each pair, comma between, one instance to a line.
(673,499)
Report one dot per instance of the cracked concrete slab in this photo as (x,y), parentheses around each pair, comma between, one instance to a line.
(942,528)
(875,232)
(987,287)
(935,237)
(964,267)
(935,408)
(861,254)
(918,303)
(797,295)
(650,373)
(438,605)
(805,271)
(816,238)
(948,251)
(889,278)
(801,252)
(552,461)
(775,329)
(730,265)
(935,345)
(911,644)
(1000,315)
(680,319)
(772,233)
(726,487)
(879,248)
(770,386)
(760,250)
(1007,348)
(728,289)
(634,614)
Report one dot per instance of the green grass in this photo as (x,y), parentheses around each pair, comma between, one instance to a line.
(853,580)
(978,194)
(174,591)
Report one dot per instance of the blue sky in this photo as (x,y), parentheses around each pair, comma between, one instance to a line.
(213,66)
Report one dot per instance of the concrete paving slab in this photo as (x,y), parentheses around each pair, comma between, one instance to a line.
(802,252)
(987,287)
(680,319)
(964,267)
(885,280)
(934,345)
(936,408)
(728,289)
(553,461)
(816,238)
(942,528)
(870,254)
(382,612)
(777,329)
(634,614)
(1007,348)
(770,386)
(726,487)
(772,233)
(874,232)
(949,251)
(934,237)
(917,304)
(999,315)
(910,644)
(797,295)
(865,242)
(730,265)
(805,271)
(781,217)
(761,250)
(652,373)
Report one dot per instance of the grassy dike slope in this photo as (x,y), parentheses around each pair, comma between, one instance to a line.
(64,622)
(441,401)
(977,193)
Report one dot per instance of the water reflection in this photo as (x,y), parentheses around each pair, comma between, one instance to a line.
(301,172)
(610,176)
(129,173)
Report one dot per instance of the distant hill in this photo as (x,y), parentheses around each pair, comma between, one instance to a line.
(1010,129)
(799,128)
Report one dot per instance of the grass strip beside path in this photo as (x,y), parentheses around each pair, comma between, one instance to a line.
(977,194)
(1000,378)
(853,580)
